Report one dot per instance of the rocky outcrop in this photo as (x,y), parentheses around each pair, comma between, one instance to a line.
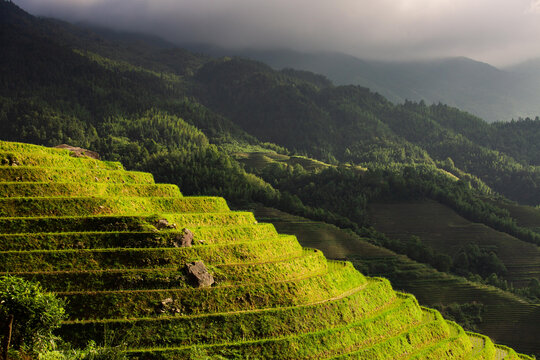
(79,152)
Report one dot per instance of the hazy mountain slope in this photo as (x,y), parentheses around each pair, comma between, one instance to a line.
(321,121)
(529,67)
(229,99)
(479,88)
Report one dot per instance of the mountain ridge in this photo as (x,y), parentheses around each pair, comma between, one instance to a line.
(495,94)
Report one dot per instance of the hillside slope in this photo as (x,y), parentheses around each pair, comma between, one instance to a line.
(486,309)
(479,88)
(447,232)
(258,293)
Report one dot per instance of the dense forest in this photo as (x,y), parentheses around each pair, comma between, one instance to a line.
(183,116)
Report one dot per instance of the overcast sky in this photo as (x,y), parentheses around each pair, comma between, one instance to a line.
(499,32)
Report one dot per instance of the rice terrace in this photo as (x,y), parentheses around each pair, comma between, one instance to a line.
(118,256)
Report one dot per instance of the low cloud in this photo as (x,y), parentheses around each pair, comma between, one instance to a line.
(495,31)
(535,6)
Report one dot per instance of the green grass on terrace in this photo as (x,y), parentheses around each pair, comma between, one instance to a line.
(404,343)
(407,333)
(61,160)
(483,347)
(457,345)
(134,239)
(48,224)
(139,303)
(86,206)
(310,262)
(506,317)
(23,148)
(62,189)
(37,174)
(100,259)
(375,297)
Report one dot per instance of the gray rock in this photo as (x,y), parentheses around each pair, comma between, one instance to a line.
(199,274)
(164,224)
(167,301)
(185,239)
(166,306)
(79,152)
(11,161)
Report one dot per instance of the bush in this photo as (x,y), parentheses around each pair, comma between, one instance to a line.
(35,313)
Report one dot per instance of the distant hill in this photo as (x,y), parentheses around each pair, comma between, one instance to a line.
(529,67)
(479,88)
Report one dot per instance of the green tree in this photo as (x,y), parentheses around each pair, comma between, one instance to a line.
(34,313)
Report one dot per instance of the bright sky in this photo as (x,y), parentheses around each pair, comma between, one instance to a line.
(499,32)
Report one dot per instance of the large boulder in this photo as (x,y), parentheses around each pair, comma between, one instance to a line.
(199,275)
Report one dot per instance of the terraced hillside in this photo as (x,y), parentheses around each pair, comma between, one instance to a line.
(444,230)
(505,317)
(117,247)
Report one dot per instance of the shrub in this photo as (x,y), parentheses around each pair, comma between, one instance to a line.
(35,313)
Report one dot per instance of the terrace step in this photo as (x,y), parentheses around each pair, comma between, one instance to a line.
(143,303)
(48,224)
(483,347)
(505,353)
(456,346)
(63,189)
(400,345)
(44,174)
(373,335)
(375,296)
(90,206)
(134,239)
(310,262)
(282,247)
(23,148)
(54,159)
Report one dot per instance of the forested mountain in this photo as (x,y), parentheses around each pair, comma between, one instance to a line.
(350,123)
(188,118)
(479,88)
